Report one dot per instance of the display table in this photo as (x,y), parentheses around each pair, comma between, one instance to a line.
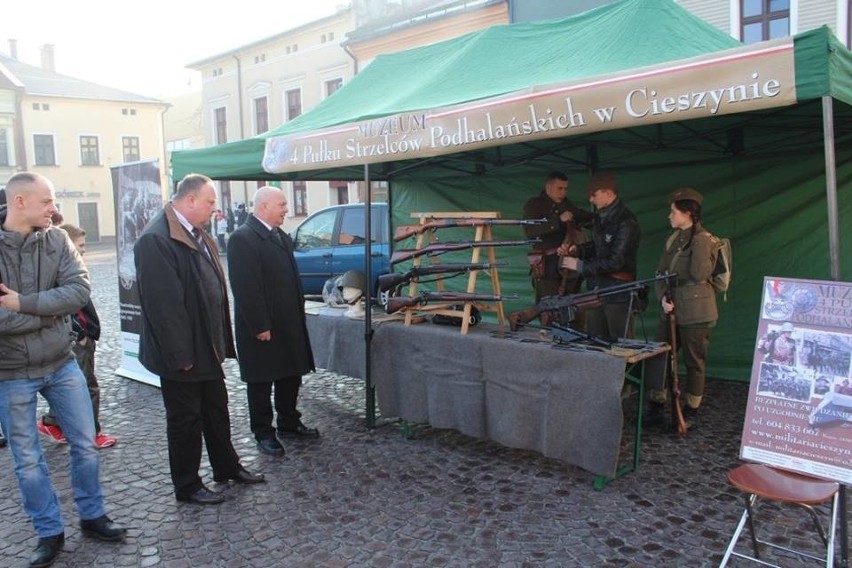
(565,404)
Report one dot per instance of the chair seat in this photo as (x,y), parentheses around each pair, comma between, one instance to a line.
(771,483)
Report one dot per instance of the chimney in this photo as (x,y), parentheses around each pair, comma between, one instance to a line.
(48,61)
(13,49)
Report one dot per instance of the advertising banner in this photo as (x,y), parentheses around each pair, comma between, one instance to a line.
(138,198)
(799,414)
(740,80)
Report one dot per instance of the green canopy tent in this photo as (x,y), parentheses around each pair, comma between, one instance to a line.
(640,87)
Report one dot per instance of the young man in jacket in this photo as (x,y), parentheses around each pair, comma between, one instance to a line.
(609,258)
(43,282)
(186,335)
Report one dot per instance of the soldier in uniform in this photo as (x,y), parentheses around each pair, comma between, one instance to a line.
(691,253)
(562,216)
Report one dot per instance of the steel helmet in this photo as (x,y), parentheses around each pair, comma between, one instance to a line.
(353,279)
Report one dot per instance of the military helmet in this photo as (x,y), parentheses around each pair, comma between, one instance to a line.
(353,279)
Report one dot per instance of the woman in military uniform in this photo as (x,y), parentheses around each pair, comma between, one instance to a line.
(691,253)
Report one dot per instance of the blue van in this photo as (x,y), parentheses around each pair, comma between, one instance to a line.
(331,241)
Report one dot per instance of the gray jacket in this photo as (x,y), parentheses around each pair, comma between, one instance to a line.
(53,283)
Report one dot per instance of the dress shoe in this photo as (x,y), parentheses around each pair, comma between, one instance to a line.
(202,497)
(270,446)
(3,440)
(655,415)
(103,528)
(243,476)
(300,430)
(47,550)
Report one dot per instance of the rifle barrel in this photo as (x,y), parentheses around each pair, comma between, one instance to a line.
(435,249)
(404,231)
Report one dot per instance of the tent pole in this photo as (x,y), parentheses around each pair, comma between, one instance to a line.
(831,186)
(834,256)
(369,389)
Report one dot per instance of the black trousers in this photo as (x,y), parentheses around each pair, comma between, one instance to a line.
(193,410)
(260,397)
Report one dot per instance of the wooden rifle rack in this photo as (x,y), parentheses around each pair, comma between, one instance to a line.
(482,234)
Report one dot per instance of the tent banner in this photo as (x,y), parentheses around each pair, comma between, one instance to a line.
(138,198)
(799,412)
(739,80)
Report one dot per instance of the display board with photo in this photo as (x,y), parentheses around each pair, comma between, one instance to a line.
(799,414)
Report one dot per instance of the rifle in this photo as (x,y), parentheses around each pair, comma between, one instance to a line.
(435,249)
(678,421)
(405,231)
(396,303)
(394,279)
(567,306)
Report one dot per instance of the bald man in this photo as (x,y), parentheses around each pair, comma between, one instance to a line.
(35,328)
(269,311)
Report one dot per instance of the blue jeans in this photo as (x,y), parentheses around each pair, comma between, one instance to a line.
(66,391)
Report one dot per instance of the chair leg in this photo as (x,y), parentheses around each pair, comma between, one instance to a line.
(734,539)
(832,531)
(750,501)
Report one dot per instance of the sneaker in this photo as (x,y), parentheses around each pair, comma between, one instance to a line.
(104,441)
(51,431)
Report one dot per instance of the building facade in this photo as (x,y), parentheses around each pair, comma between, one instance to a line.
(72,132)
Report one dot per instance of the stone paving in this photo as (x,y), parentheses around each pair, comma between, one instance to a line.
(371,498)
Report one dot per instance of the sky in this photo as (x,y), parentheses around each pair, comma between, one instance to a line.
(145,50)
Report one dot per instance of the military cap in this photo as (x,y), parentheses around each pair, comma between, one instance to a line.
(686,193)
(602,180)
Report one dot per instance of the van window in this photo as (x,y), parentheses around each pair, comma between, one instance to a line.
(352,226)
(317,231)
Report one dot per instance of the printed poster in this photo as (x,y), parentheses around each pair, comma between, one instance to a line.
(799,414)
(138,198)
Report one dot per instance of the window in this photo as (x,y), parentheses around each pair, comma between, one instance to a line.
(36,106)
(4,148)
(764,19)
(341,190)
(330,36)
(317,231)
(221,125)
(261,115)
(130,148)
(294,103)
(322,38)
(44,152)
(332,85)
(300,199)
(89,151)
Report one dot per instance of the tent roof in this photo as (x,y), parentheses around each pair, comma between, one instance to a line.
(475,67)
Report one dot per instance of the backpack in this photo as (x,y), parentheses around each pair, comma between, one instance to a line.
(720,279)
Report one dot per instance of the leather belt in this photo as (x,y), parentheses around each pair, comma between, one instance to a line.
(623,276)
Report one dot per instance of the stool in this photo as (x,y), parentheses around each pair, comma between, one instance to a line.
(768,483)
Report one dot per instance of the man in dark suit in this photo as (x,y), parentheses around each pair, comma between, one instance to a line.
(269,309)
(186,334)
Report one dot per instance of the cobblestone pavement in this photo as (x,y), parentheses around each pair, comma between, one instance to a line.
(370,498)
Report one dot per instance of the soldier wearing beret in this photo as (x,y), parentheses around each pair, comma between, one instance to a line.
(691,253)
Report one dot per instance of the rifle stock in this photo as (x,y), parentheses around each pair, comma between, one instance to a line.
(395,279)
(678,420)
(404,231)
(435,249)
(397,303)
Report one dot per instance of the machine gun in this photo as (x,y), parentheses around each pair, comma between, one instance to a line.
(394,279)
(405,231)
(567,306)
(435,249)
(396,303)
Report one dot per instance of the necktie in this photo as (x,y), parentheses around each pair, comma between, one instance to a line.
(278,236)
(200,240)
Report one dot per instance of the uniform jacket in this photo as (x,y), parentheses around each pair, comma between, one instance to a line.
(53,283)
(176,318)
(553,232)
(693,258)
(613,248)
(267,296)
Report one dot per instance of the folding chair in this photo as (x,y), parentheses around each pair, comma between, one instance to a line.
(771,484)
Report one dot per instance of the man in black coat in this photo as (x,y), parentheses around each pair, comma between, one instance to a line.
(269,309)
(609,258)
(186,334)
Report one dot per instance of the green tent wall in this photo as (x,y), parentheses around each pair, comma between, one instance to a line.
(762,173)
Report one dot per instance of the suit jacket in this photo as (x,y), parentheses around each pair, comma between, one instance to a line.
(178,323)
(267,296)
